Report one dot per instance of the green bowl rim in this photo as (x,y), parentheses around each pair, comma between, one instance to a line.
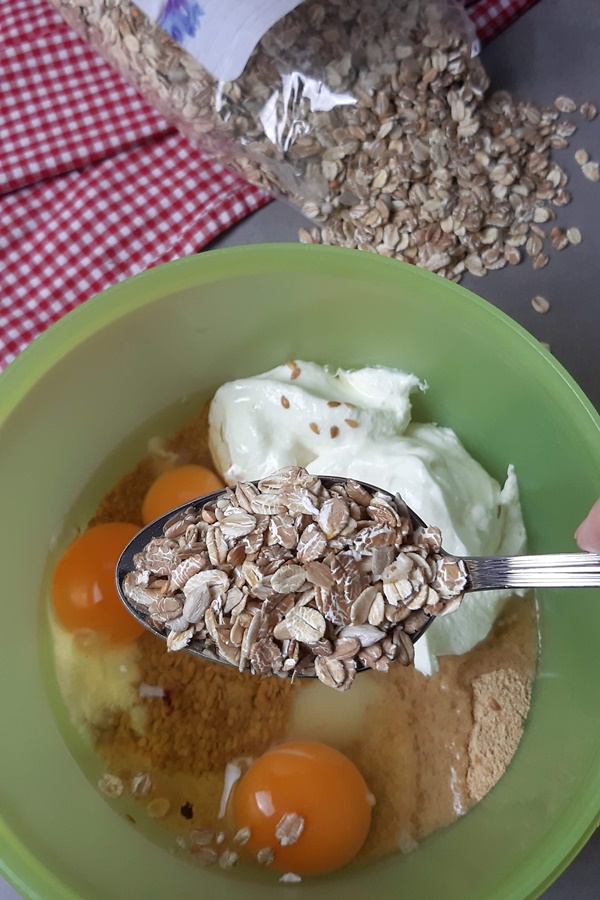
(62,336)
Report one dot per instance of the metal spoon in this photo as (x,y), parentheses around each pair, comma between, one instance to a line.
(484,573)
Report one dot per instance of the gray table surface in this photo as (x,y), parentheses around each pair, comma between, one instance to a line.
(551,50)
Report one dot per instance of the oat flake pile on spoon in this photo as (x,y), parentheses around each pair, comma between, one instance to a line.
(298,575)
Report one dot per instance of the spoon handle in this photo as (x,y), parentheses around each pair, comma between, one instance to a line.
(487,573)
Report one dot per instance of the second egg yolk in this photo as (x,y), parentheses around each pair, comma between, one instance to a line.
(318,784)
(178,486)
(84,593)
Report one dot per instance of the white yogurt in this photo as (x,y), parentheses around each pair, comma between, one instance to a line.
(259,424)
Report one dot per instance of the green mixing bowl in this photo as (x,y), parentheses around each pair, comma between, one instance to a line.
(108,369)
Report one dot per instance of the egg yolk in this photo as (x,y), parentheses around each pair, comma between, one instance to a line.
(320,785)
(84,594)
(176,487)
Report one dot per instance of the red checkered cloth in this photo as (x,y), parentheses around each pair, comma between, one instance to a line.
(95,185)
(491,17)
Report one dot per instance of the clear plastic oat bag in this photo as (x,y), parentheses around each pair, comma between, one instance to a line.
(310,100)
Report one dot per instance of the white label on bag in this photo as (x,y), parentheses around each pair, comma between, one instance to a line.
(220,34)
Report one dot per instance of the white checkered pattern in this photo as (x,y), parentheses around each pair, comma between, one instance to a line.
(94,184)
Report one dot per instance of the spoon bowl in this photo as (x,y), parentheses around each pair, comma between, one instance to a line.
(482,573)
(155,529)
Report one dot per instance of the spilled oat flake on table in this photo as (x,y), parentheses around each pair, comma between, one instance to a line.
(449,739)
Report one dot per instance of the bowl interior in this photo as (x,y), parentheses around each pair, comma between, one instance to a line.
(176,332)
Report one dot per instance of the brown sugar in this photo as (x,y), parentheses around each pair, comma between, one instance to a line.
(205,715)
(123,503)
(500,705)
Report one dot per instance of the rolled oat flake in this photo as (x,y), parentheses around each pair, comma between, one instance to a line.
(329,577)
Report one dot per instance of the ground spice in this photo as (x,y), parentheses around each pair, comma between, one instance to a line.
(451,735)
(500,705)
